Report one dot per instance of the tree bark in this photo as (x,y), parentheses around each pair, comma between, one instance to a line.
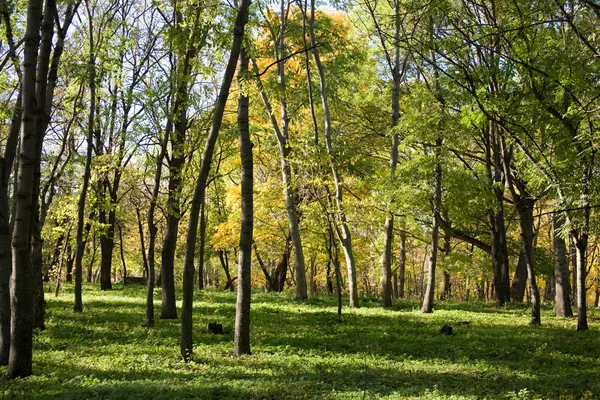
(437,205)
(524,203)
(517,289)
(202,245)
(402,266)
(388,228)
(499,250)
(21,289)
(152,230)
(561,270)
(242,315)
(581,243)
(281,135)
(344,233)
(6,164)
(78,305)
(200,188)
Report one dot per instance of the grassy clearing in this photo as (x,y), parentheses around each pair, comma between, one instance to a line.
(302,350)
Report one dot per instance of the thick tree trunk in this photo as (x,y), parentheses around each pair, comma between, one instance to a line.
(499,250)
(445,290)
(200,188)
(437,205)
(21,289)
(561,270)
(524,203)
(167,272)
(242,315)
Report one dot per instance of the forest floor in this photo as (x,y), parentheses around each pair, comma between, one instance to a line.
(302,350)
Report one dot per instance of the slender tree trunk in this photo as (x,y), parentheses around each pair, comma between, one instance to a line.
(152,230)
(242,315)
(202,245)
(437,204)
(402,266)
(21,289)
(345,236)
(6,164)
(142,241)
(573,275)
(561,271)
(286,170)
(107,245)
(388,228)
(78,305)
(526,223)
(200,188)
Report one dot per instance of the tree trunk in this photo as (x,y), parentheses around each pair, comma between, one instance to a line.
(581,243)
(21,289)
(200,188)
(107,245)
(561,271)
(402,267)
(152,230)
(6,164)
(344,234)
(167,272)
(281,135)
(78,305)
(388,228)
(524,203)
(499,250)
(242,314)
(437,204)
(224,258)
(517,289)
(573,276)
(202,245)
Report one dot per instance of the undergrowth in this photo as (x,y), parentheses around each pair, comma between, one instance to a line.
(302,350)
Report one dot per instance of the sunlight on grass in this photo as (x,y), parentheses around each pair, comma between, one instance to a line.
(303,350)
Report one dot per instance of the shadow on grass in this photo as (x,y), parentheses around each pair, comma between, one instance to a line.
(302,349)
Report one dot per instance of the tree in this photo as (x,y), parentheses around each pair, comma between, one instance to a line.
(200,185)
(242,316)
(21,289)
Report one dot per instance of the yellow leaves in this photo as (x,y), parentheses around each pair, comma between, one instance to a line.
(226,236)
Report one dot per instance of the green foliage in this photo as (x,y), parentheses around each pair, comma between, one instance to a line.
(302,350)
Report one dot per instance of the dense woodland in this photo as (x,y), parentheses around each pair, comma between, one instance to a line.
(426,150)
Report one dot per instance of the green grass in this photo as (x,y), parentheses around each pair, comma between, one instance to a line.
(302,350)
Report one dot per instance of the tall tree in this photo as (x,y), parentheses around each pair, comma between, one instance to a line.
(242,314)
(345,235)
(200,184)
(21,289)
